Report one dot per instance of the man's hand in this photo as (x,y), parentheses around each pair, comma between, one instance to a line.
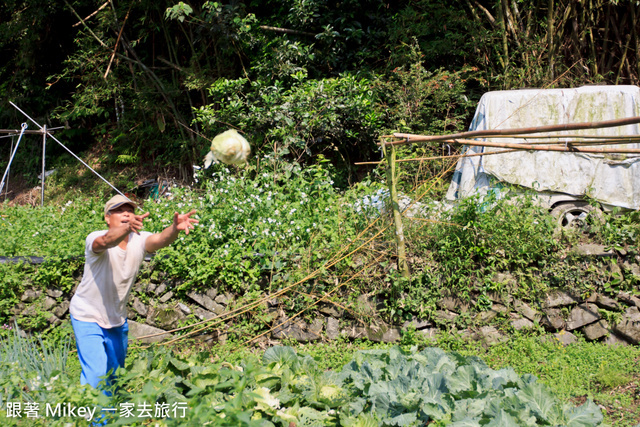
(184,221)
(135,224)
(170,234)
(121,222)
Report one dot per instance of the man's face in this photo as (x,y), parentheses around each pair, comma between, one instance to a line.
(120,215)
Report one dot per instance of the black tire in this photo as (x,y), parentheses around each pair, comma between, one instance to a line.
(576,214)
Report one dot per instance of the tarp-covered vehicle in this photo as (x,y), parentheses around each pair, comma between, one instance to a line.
(563,180)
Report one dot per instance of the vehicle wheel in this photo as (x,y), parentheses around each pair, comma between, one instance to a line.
(576,214)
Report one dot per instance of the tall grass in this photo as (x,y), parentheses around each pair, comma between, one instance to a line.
(36,362)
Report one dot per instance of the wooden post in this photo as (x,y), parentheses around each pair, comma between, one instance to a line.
(44,143)
(8,171)
(392,177)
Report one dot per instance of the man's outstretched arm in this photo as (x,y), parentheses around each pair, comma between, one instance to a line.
(170,234)
(115,235)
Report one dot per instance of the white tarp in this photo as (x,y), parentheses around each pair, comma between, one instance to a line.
(612,179)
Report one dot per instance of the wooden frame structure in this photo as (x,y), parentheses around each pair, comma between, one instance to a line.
(560,143)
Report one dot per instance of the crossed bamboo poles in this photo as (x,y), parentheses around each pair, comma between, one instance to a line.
(571,143)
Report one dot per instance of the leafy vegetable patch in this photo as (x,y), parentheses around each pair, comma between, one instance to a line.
(390,387)
(401,388)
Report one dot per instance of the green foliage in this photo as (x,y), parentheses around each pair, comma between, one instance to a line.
(49,230)
(335,117)
(179,11)
(131,75)
(14,278)
(36,362)
(421,100)
(474,242)
(58,274)
(609,378)
(443,30)
(621,229)
(270,220)
(377,387)
(414,388)
(581,369)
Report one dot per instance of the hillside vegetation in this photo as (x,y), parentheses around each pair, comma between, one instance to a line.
(147,84)
(142,87)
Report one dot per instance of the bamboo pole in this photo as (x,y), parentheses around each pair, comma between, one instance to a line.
(248,307)
(392,178)
(605,39)
(451,156)
(6,192)
(623,61)
(44,148)
(563,139)
(504,57)
(570,148)
(592,44)
(411,138)
(550,38)
(27,132)
(286,31)
(317,301)
(115,47)
(89,16)
(582,139)
(634,32)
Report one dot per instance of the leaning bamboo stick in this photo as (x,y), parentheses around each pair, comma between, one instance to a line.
(562,139)
(89,16)
(410,138)
(115,47)
(286,31)
(250,306)
(604,143)
(317,301)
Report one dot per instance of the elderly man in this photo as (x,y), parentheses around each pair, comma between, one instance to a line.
(99,307)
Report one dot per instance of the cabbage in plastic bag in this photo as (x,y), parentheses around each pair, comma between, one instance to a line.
(229,148)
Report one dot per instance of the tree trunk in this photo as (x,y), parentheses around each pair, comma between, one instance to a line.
(505,39)
(550,37)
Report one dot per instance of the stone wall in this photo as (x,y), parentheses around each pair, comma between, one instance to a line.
(154,309)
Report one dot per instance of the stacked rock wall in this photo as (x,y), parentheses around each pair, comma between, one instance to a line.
(155,310)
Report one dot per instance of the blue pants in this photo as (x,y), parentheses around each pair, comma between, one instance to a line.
(101,351)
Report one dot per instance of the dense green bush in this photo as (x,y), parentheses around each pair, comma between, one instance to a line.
(420,100)
(49,230)
(335,117)
(276,219)
(462,251)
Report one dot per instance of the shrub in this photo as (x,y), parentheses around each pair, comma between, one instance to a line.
(334,117)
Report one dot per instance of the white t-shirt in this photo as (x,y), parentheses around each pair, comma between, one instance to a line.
(102,294)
